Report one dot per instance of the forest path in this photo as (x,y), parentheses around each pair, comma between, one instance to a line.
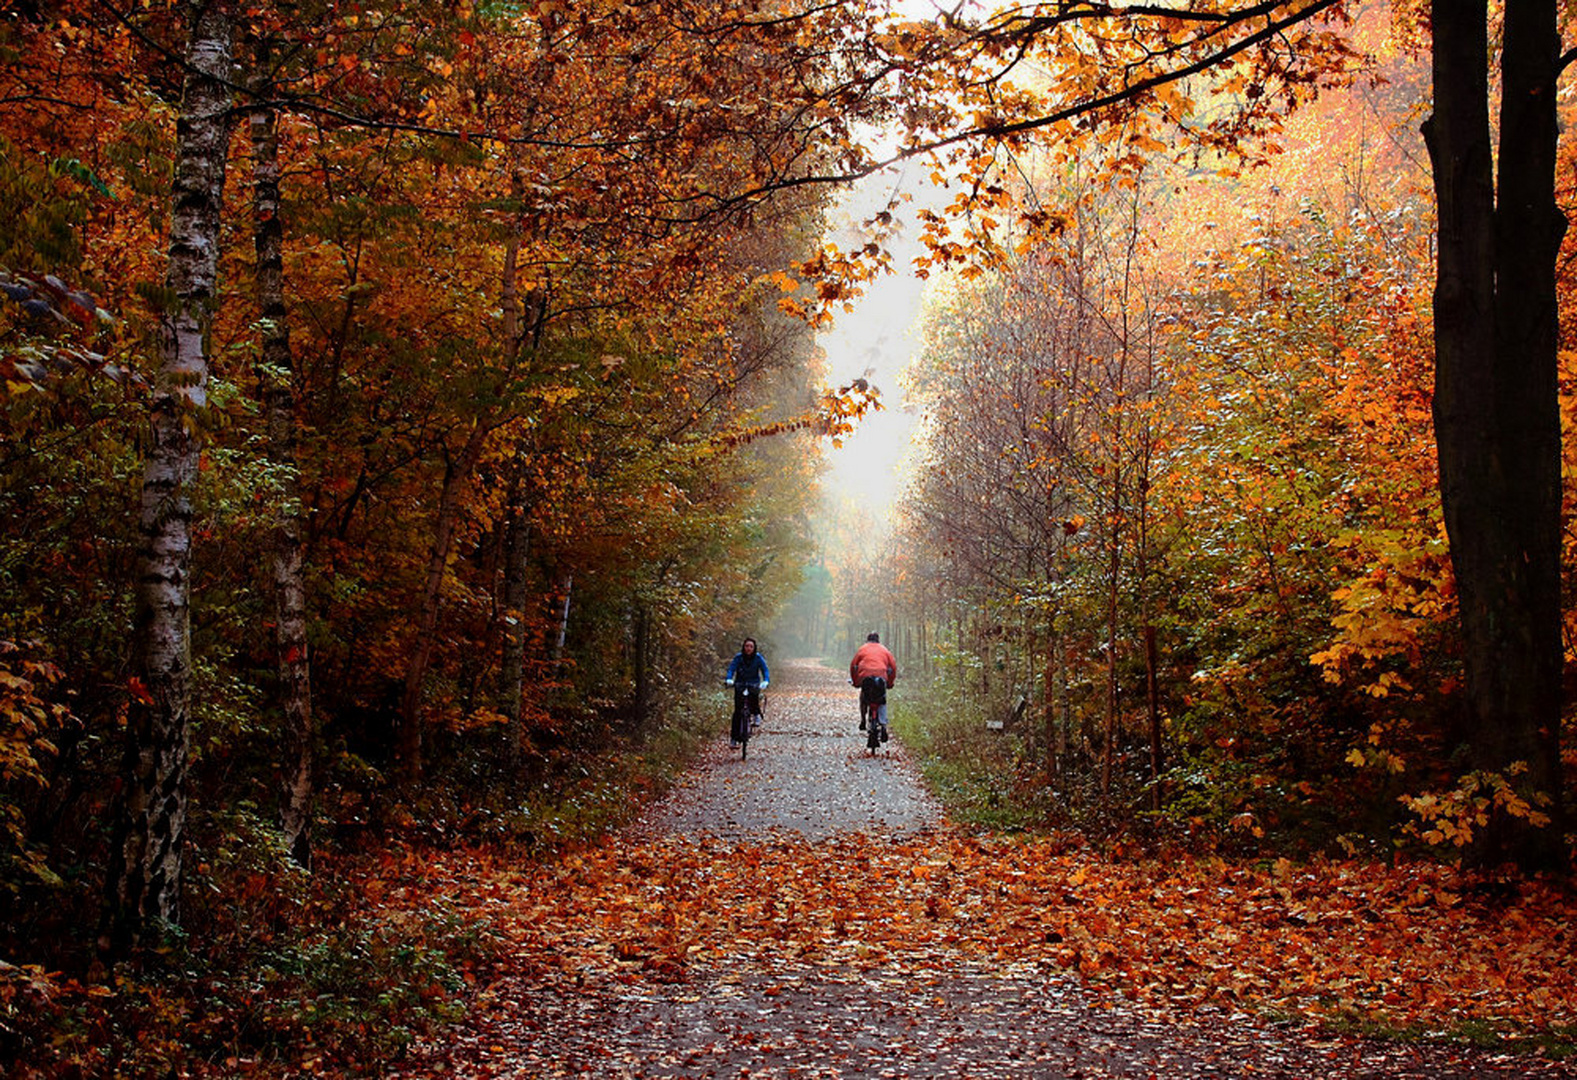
(806,913)
(808,774)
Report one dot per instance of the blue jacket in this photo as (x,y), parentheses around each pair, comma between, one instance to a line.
(751,671)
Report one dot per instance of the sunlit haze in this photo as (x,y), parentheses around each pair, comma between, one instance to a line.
(876,341)
(880,336)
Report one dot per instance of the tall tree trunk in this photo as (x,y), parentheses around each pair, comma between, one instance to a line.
(1113,581)
(1496,407)
(563,619)
(643,682)
(518,529)
(276,379)
(143,879)
(517,546)
(1153,699)
(1056,702)
(457,475)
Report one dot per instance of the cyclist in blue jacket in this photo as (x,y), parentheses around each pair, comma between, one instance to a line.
(747,672)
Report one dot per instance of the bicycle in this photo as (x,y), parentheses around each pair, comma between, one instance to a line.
(747,699)
(873,695)
(870,725)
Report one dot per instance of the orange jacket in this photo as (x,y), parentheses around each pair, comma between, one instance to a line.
(873,659)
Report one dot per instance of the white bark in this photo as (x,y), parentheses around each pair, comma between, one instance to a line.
(290,607)
(144,877)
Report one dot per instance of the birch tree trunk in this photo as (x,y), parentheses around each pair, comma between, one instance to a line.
(143,879)
(568,589)
(275,378)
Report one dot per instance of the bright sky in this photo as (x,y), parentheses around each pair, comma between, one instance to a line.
(877,340)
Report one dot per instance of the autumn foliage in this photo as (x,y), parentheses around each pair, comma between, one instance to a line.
(1178,517)
(506,423)
(524,402)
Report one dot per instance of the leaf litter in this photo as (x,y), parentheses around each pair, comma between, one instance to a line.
(808,913)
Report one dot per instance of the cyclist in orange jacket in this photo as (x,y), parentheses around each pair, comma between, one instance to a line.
(873,670)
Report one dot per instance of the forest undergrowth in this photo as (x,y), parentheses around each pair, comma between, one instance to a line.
(278,971)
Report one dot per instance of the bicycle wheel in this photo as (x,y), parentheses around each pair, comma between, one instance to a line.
(873,732)
(740,731)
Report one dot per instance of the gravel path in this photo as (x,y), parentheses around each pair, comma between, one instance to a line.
(808,774)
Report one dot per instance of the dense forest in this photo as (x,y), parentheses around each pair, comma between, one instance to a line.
(407,408)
